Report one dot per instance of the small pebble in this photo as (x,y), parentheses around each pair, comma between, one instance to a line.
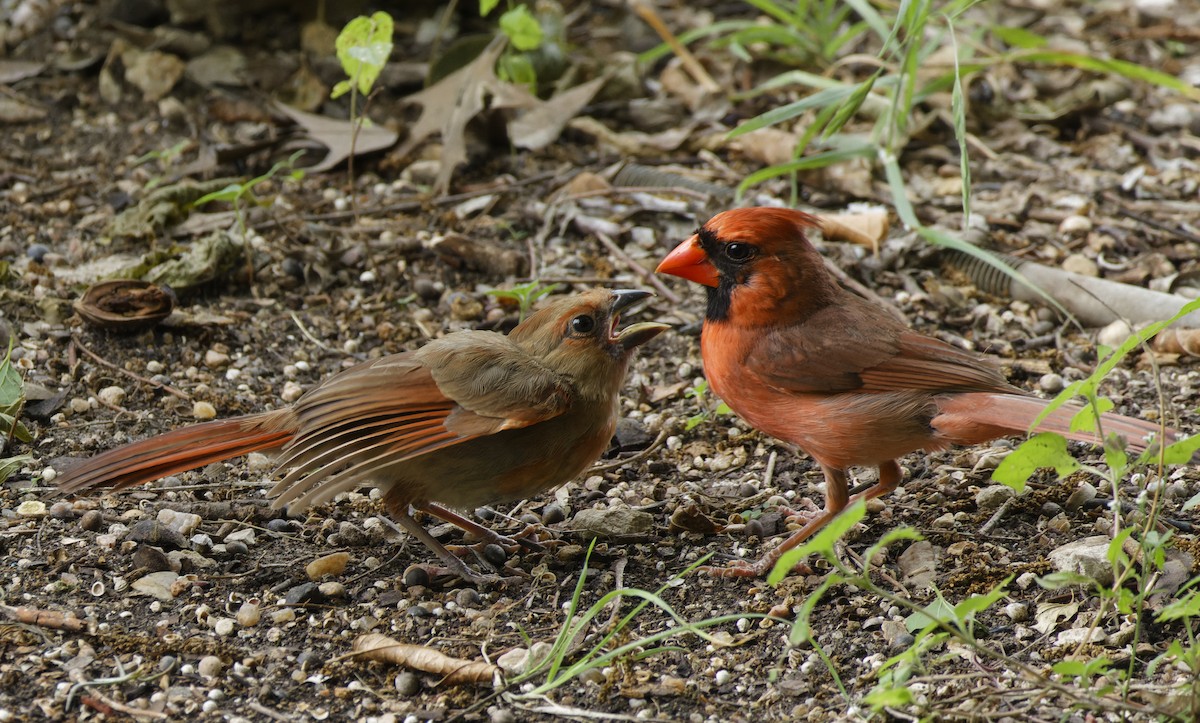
(416,576)
(332,589)
(223,626)
(210,666)
(553,513)
(203,410)
(407,684)
(332,564)
(37,252)
(112,396)
(249,614)
(291,391)
(1051,383)
(32,508)
(495,554)
(214,359)
(1074,225)
(91,521)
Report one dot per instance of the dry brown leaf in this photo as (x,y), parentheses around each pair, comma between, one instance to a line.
(542,125)
(336,135)
(633,143)
(374,646)
(448,105)
(919,563)
(1177,341)
(867,228)
(768,146)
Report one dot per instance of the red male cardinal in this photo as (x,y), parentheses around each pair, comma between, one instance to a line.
(470,419)
(803,360)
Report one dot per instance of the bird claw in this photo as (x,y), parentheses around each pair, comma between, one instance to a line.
(761,568)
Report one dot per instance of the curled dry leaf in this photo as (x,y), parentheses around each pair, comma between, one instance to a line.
(125,305)
(419,657)
(1177,341)
(866,228)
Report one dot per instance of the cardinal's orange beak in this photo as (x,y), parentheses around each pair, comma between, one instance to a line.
(688,261)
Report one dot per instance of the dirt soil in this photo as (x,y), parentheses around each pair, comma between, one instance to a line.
(223,622)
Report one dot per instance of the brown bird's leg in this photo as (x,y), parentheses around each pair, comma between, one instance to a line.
(837,498)
(455,565)
(486,534)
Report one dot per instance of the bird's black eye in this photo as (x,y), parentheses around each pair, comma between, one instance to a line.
(582,324)
(738,251)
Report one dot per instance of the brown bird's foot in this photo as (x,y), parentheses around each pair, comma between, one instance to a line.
(802,517)
(761,568)
(437,576)
(488,535)
(454,566)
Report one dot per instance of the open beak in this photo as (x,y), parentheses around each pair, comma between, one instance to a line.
(688,261)
(633,335)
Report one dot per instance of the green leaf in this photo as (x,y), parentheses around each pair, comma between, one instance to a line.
(487,6)
(1043,450)
(1085,420)
(1019,37)
(821,542)
(229,194)
(851,104)
(928,616)
(1059,580)
(1186,607)
(523,30)
(11,465)
(895,697)
(1181,452)
(363,47)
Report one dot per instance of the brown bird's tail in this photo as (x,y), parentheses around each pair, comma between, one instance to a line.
(978,417)
(179,451)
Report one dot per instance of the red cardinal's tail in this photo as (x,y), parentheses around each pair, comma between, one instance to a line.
(978,417)
(183,449)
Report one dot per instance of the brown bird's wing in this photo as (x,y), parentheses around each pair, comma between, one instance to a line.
(375,415)
(856,347)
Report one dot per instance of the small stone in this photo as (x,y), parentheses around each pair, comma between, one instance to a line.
(214,359)
(112,396)
(223,626)
(153,532)
(78,405)
(332,589)
(245,535)
(37,252)
(151,558)
(944,522)
(1083,494)
(210,666)
(407,684)
(352,535)
(1051,509)
(32,508)
(553,513)
(155,367)
(249,614)
(332,564)
(160,585)
(91,520)
(1075,225)
(1051,383)
(416,576)
(1017,612)
(1087,557)
(992,496)
(1080,264)
(185,523)
(1079,636)
(259,462)
(62,510)
(203,410)
(291,391)
(303,593)
(236,548)
(613,522)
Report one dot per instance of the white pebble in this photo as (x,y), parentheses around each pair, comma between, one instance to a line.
(154,366)
(203,410)
(112,396)
(291,391)
(367,277)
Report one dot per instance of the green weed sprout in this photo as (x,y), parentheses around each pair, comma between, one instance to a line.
(524,34)
(526,295)
(363,47)
(707,411)
(238,194)
(12,401)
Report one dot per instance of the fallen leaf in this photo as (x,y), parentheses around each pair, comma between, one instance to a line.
(866,228)
(338,136)
(13,70)
(448,105)
(455,671)
(918,562)
(1049,614)
(542,125)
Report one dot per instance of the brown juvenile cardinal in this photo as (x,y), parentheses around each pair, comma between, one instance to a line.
(803,360)
(467,420)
